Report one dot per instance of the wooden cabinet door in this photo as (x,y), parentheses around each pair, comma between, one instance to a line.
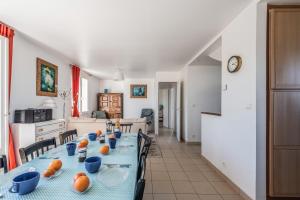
(284,102)
(112,103)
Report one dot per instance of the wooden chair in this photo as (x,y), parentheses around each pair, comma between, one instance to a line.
(124,127)
(33,150)
(67,136)
(140,183)
(3,163)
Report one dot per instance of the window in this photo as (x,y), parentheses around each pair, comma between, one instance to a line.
(4,94)
(83,95)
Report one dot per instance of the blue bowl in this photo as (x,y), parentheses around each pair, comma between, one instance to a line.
(25,183)
(92,164)
(71,147)
(112,143)
(92,136)
(118,134)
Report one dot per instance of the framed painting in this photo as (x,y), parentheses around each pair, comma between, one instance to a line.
(46,78)
(138,91)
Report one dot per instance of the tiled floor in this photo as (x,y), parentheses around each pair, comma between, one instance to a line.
(181,174)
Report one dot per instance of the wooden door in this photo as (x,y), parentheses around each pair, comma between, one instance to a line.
(284,102)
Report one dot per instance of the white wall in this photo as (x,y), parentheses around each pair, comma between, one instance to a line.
(202,93)
(132,106)
(172,107)
(24,76)
(229,141)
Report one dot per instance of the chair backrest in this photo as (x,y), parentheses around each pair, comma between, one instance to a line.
(139,142)
(34,150)
(3,163)
(125,127)
(109,126)
(140,181)
(139,189)
(145,145)
(67,136)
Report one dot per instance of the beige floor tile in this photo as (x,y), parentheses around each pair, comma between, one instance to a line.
(190,167)
(173,167)
(204,188)
(204,167)
(210,197)
(170,160)
(158,167)
(199,161)
(164,197)
(148,175)
(223,188)
(187,197)
(162,187)
(178,176)
(156,160)
(196,176)
(183,187)
(186,161)
(148,187)
(148,197)
(160,176)
(232,197)
(212,176)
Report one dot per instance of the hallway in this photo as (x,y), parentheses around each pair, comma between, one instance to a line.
(180,173)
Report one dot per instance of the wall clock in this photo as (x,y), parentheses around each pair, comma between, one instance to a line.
(234,64)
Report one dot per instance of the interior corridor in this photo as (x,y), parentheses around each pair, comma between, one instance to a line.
(176,171)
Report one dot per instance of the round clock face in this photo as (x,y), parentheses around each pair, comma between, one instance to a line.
(234,64)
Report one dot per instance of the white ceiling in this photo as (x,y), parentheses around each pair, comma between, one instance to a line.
(138,36)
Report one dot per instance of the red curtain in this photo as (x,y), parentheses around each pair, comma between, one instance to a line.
(75,89)
(9,33)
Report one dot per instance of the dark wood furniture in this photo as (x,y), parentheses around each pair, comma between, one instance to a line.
(67,136)
(3,163)
(35,149)
(111,103)
(283,114)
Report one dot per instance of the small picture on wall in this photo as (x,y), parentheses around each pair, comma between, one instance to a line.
(46,78)
(138,91)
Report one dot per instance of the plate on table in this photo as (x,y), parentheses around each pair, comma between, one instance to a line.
(57,173)
(90,186)
(112,176)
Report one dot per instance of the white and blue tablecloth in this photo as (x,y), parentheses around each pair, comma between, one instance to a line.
(60,187)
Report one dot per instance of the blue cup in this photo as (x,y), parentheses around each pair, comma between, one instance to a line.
(112,143)
(25,183)
(92,136)
(71,147)
(92,164)
(118,134)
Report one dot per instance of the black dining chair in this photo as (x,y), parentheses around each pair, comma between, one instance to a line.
(139,142)
(124,127)
(34,150)
(109,126)
(140,182)
(145,145)
(67,136)
(3,163)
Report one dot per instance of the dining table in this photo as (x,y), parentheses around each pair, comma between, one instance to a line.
(60,187)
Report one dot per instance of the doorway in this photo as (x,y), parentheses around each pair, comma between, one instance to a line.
(167,104)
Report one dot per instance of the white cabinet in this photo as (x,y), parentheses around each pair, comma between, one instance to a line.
(26,134)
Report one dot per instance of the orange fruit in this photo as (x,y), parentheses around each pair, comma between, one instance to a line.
(55,164)
(104,150)
(78,175)
(48,172)
(81,183)
(99,132)
(83,143)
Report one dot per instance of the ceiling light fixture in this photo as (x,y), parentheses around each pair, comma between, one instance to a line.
(118,75)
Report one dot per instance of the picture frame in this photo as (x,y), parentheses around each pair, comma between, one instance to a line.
(138,91)
(46,78)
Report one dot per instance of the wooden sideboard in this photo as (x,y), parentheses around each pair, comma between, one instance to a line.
(111,103)
(27,134)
